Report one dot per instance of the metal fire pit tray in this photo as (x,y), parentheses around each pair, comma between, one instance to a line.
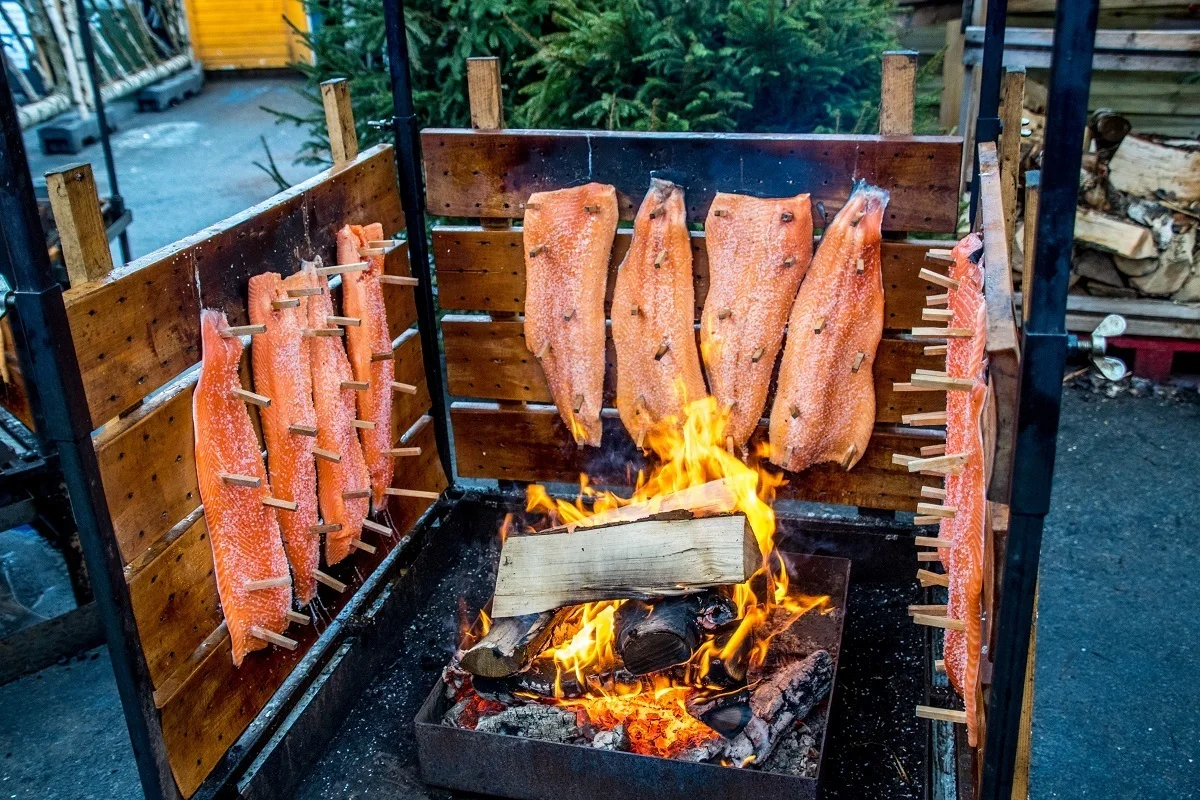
(528,769)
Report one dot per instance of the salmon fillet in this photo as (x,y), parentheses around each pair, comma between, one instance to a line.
(758,252)
(658,367)
(568,243)
(825,403)
(245,535)
(283,372)
(335,430)
(362,298)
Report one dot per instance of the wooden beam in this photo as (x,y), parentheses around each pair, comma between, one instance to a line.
(952,76)
(1033,194)
(485,93)
(1011,109)
(942,714)
(81,230)
(339,120)
(647,558)
(898,90)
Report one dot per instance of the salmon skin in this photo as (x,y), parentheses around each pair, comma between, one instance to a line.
(362,298)
(568,244)
(966,491)
(244,533)
(658,367)
(758,252)
(283,372)
(335,430)
(825,402)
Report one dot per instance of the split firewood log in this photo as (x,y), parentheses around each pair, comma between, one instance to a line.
(778,703)
(1098,267)
(510,644)
(1174,266)
(1154,167)
(1114,235)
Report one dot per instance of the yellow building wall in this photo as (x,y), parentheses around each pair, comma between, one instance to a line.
(247,34)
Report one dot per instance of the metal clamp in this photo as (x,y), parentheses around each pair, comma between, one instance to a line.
(6,296)
(1095,347)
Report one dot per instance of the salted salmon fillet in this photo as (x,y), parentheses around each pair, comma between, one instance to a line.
(824,406)
(758,252)
(336,433)
(283,372)
(658,367)
(246,541)
(370,349)
(568,241)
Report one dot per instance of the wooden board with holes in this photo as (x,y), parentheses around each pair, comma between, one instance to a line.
(487,359)
(491,173)
(410,369)
(138,327)
(400,300)
(532,444)
(422,472)
(480,270)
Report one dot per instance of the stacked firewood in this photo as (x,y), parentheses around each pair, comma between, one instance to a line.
(1138,212)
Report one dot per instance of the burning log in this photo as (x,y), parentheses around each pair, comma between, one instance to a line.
(651,636)
(537,721)
(778,703)
(713,497)
(644,559)
(510,644)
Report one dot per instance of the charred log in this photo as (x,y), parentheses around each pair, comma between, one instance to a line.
(780,701)
(536,721)
(654,635)
(510,644)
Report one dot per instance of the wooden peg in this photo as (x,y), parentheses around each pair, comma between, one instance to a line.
(794,410)
(757,355)
(275,502)
(534,252)
(660,259)
(860,266)
(933,609)
(935,510)
(939,622)
(942,382)
(787,216)
(398,280)
(285,302)
(370,252)
(252,398)
(302,430)
(662,350)
(858,360)
(382,530)
(417,493)
(333,528)
(633,312)
(570,315)
(928,578)
(358,386)
(897,92)
(937,299)
(298,618)
(924,418)
(725,313)
(383,243)
(322,332)
(942,714)
(819,326)
(577,403)
(937,278)
(592,209)
(908,387)
(848,456)
(329,580)
(927,520)
(306,291)
(720,212)
(388,356)
(233,479)
(933,492)
(348,322)
(902,459)
(402,452)
(931,541)
(935,350)
(933,450)
(243,330)
(339,121)
(657,212)
(789,262)
(930,556)
(83,237)
(404,388)
(356,494)
(268,583)
(363,424)
(939,664)
(484,93)
(939,254)
(272,637)
(937,314)
(937,462)
(541,353)
(342,269)
(327,455)
(943,333)
(359,544)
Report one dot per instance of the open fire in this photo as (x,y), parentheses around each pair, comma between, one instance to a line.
(741,681)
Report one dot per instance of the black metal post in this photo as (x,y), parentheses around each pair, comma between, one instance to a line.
(54,370)
(412,198)
(89,52)
(1044,351)
(987,124)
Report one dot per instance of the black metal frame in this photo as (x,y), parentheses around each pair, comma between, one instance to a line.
(987,125)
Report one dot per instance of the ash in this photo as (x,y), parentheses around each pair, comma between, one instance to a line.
(798,752)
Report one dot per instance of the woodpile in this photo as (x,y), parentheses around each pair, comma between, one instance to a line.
(1138,212)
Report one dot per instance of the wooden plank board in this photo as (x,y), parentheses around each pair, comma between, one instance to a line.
(400,301)
(480,270)
(422,472)
(410,369)
(148,467)
(532,444)
(138,327)
(487,359)
(491,173)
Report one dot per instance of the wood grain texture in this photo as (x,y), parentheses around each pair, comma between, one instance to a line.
(484,92)
(480,270)
(1011,109)
(410,369)
(898,93)
(82,234)
(339,121)
(400,301)
(138,327)
(148,467)
(422,472)
(532,444)
(491,173)
(487,359)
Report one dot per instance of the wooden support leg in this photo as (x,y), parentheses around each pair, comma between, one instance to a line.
(1153,363)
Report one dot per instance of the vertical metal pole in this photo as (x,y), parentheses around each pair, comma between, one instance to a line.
(412,198)
(54,370)
(987,126)
(89,52)
(1044,349)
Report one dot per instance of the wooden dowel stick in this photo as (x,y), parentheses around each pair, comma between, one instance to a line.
(402,452)
(931,541)
(252,398)
(933,609)
(937,314)
(939,664)
(398,280)
(363,424)
(382,243)
(328,455)
(359,544)
(243,330)
(403,388)
(273,638)
(287,302)
(358,386)
(367,252)
(927,520)
(375,527)
(349,322)
(322,332)
(334,528)
(303,430)
(935,510)
(943,382)
(938,254)
(382,356)
(937,299)
(937,278)
(942,714)
(924,418)
(933,450)
(939,622)
(233,479)
(342,269)
(356,494)
(942,333)
(275,502)
(901,459)
(268,583)
(298,618)
(928,578)
(938,462)
(329,580)
(928,556)
(417,493)
(934,492)
(935,350)
(307,291)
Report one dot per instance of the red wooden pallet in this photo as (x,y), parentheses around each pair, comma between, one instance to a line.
(1154,356)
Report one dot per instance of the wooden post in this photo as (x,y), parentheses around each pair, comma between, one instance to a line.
(339,119)
(1033,193)
(483,89)
(81,231)
(952,76)
(898,93)
(1020,785)
(1011,107)
(968,113)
